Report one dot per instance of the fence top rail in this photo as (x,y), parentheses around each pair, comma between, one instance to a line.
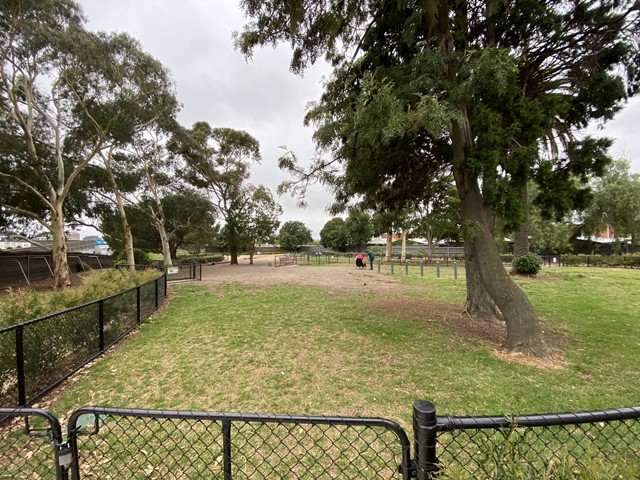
(240,417)
(56,428)
(71,309)
(448,423)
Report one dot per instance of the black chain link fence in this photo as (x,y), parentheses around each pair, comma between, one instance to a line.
(127,443)
(37,355)
(535,446)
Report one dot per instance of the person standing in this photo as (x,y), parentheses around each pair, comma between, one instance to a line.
(371,256)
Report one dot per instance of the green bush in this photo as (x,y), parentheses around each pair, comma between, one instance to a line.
(24,304)
(529,264)
(140,257)
(199,259)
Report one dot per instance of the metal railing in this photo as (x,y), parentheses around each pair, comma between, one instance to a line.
(37,355)
(129,443)
(181,271)
(32,268)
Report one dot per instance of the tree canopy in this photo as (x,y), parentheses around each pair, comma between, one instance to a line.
(488,91)
(292,234)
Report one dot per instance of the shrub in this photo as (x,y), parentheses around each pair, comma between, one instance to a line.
(24,304)
(140,257)
(529,264)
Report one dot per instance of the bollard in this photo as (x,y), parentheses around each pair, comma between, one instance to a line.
(406,267)
(425,432)
(391,266)
(378,265)
(455,270)
(422,268)
(438,269)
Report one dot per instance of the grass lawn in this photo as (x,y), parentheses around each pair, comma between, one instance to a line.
(304,350)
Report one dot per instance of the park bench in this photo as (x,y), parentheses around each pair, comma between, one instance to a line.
(285,260)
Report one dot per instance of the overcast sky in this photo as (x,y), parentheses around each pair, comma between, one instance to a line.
(192,38)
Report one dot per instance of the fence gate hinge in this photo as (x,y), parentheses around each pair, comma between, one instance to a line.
(411,470)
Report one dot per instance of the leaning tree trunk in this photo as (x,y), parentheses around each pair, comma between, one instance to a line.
(61,274)
(524,333)
(403,254)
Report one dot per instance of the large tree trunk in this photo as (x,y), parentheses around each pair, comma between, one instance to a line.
(403,254)
(126,228)
(479,302)
(128,244)
(61,274)
(524,334)
(389,247)
(252,250)
(166,245)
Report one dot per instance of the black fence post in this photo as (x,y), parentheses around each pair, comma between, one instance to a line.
(101,324)
(138,304)
(22,389)
(226,449)
(156,289)
(425,436)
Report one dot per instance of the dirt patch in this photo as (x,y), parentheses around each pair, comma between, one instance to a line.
(337,279)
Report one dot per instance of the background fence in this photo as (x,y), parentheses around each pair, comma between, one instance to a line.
(37,355)
(22,269)
(182,271)
(127,443)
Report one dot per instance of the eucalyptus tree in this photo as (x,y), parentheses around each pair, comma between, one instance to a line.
(260,220)
(616,204)
(64,92)
(218,161)
(486,82)
(188,219)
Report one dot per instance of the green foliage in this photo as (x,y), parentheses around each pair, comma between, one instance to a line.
(25,304)
(199,258)
(530,264)
(358,227)
(140,256)
(616,203)
(619,261)
(293,234)
(334,235)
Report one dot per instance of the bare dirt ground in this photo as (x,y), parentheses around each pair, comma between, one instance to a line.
(341,278)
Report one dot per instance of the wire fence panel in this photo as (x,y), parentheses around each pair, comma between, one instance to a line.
(120,315)
(8,370)
(35,356)
(534,446)
(29,445)
(114,443)
(56,346)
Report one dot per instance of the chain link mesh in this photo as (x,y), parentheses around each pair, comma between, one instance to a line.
(488,452)
(28,456)
(138,447)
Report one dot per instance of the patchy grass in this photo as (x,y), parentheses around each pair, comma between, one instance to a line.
(295,349)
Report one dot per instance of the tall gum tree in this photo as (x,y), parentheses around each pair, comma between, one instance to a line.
(63,92)
(219,160)
(487,81)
